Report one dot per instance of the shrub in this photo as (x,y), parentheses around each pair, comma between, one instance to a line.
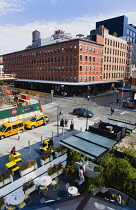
(2,202)
(60,148)
(55,168)
(46,155)
(4,175)
(97,168)
(28,185)
(28,164)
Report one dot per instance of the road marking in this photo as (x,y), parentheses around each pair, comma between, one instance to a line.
(97,118)
(123,113)
(100,107)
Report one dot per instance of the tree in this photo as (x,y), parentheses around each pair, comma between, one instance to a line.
(115,34)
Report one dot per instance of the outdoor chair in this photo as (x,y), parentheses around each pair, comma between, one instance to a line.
(21,205)
(54,183)
(27,199)
(43,189)
(11,207)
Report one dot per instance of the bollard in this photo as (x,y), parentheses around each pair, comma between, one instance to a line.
(81,129)
(29,143)
(62,131)
(52,135)
(41,139)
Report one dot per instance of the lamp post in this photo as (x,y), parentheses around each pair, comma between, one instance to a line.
(58,113)
(87,119)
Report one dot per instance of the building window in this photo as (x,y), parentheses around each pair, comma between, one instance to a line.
(66,58)
(85,58)
(80,57)
(58,50)
(74,57)
(70,48)
(80,80)
(80,47)
(74,79)
(62,49)
(66,68)
(66,49)
(85,68)
(86,48)
(80,68)
(75,47)
(70,68)
(70,57)
(90,49)
(74,68)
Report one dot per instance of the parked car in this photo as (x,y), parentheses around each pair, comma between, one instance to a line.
(11,128)
(83,112)
(36,121)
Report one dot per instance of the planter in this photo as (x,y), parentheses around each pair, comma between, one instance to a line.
(62,152)
(30,190)
(9,180)
(1,184)
(43,162)
(28,170)
(57,173)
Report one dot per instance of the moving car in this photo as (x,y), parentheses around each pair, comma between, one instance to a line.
(11,128)
(37,121)
(83,112)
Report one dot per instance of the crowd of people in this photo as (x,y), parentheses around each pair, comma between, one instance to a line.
(64,123)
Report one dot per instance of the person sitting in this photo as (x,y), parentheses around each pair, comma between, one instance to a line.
(108,195)
(118,198)
(13,151)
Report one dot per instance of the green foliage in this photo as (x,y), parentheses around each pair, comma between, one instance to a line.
(97,168)
(115,34)
(4,175)
(73,155)
(130,150)
(55,168)
(70,169)
(119,173)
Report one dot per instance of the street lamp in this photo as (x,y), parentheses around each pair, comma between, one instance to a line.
(58,113)
(87,119)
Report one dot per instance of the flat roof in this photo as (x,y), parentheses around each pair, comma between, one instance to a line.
(127,125)
(67,83)
(89,144)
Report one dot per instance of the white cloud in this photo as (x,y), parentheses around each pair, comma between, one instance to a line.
(14,38)
(7,6)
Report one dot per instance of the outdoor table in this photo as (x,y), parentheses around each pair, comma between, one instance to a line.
(16,155)
(72,190)
(44,180)
(15,198)
(10,164)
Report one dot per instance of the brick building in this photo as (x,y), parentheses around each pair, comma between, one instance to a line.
(74,66)
(115,52)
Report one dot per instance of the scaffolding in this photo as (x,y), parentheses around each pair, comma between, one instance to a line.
(6,97)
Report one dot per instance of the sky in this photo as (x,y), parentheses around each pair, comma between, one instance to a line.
(18,18)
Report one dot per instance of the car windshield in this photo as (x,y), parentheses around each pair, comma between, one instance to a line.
(33,119)
(2,128)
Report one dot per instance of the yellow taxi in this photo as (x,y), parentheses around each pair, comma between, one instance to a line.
(11,128)
(36,121)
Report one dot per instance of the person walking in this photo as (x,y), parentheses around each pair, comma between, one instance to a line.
(62,121)
(44,119)
(72,125)
(81,175)
(19,133)
(112,111)
(88,97)
(66,122)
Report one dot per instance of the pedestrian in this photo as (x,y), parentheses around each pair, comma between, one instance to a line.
(72,125)
(13,151)
(112,111)
(19,133)
(63,121)
(81,175)
(88,97)
(44,119)
(66,122)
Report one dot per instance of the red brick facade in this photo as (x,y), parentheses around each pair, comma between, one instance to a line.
(76,60)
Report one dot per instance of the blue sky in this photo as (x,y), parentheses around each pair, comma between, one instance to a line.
(18,18)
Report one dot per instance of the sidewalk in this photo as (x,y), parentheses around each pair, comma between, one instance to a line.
(34,138)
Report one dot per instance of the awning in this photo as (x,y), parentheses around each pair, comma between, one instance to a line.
(89,144)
